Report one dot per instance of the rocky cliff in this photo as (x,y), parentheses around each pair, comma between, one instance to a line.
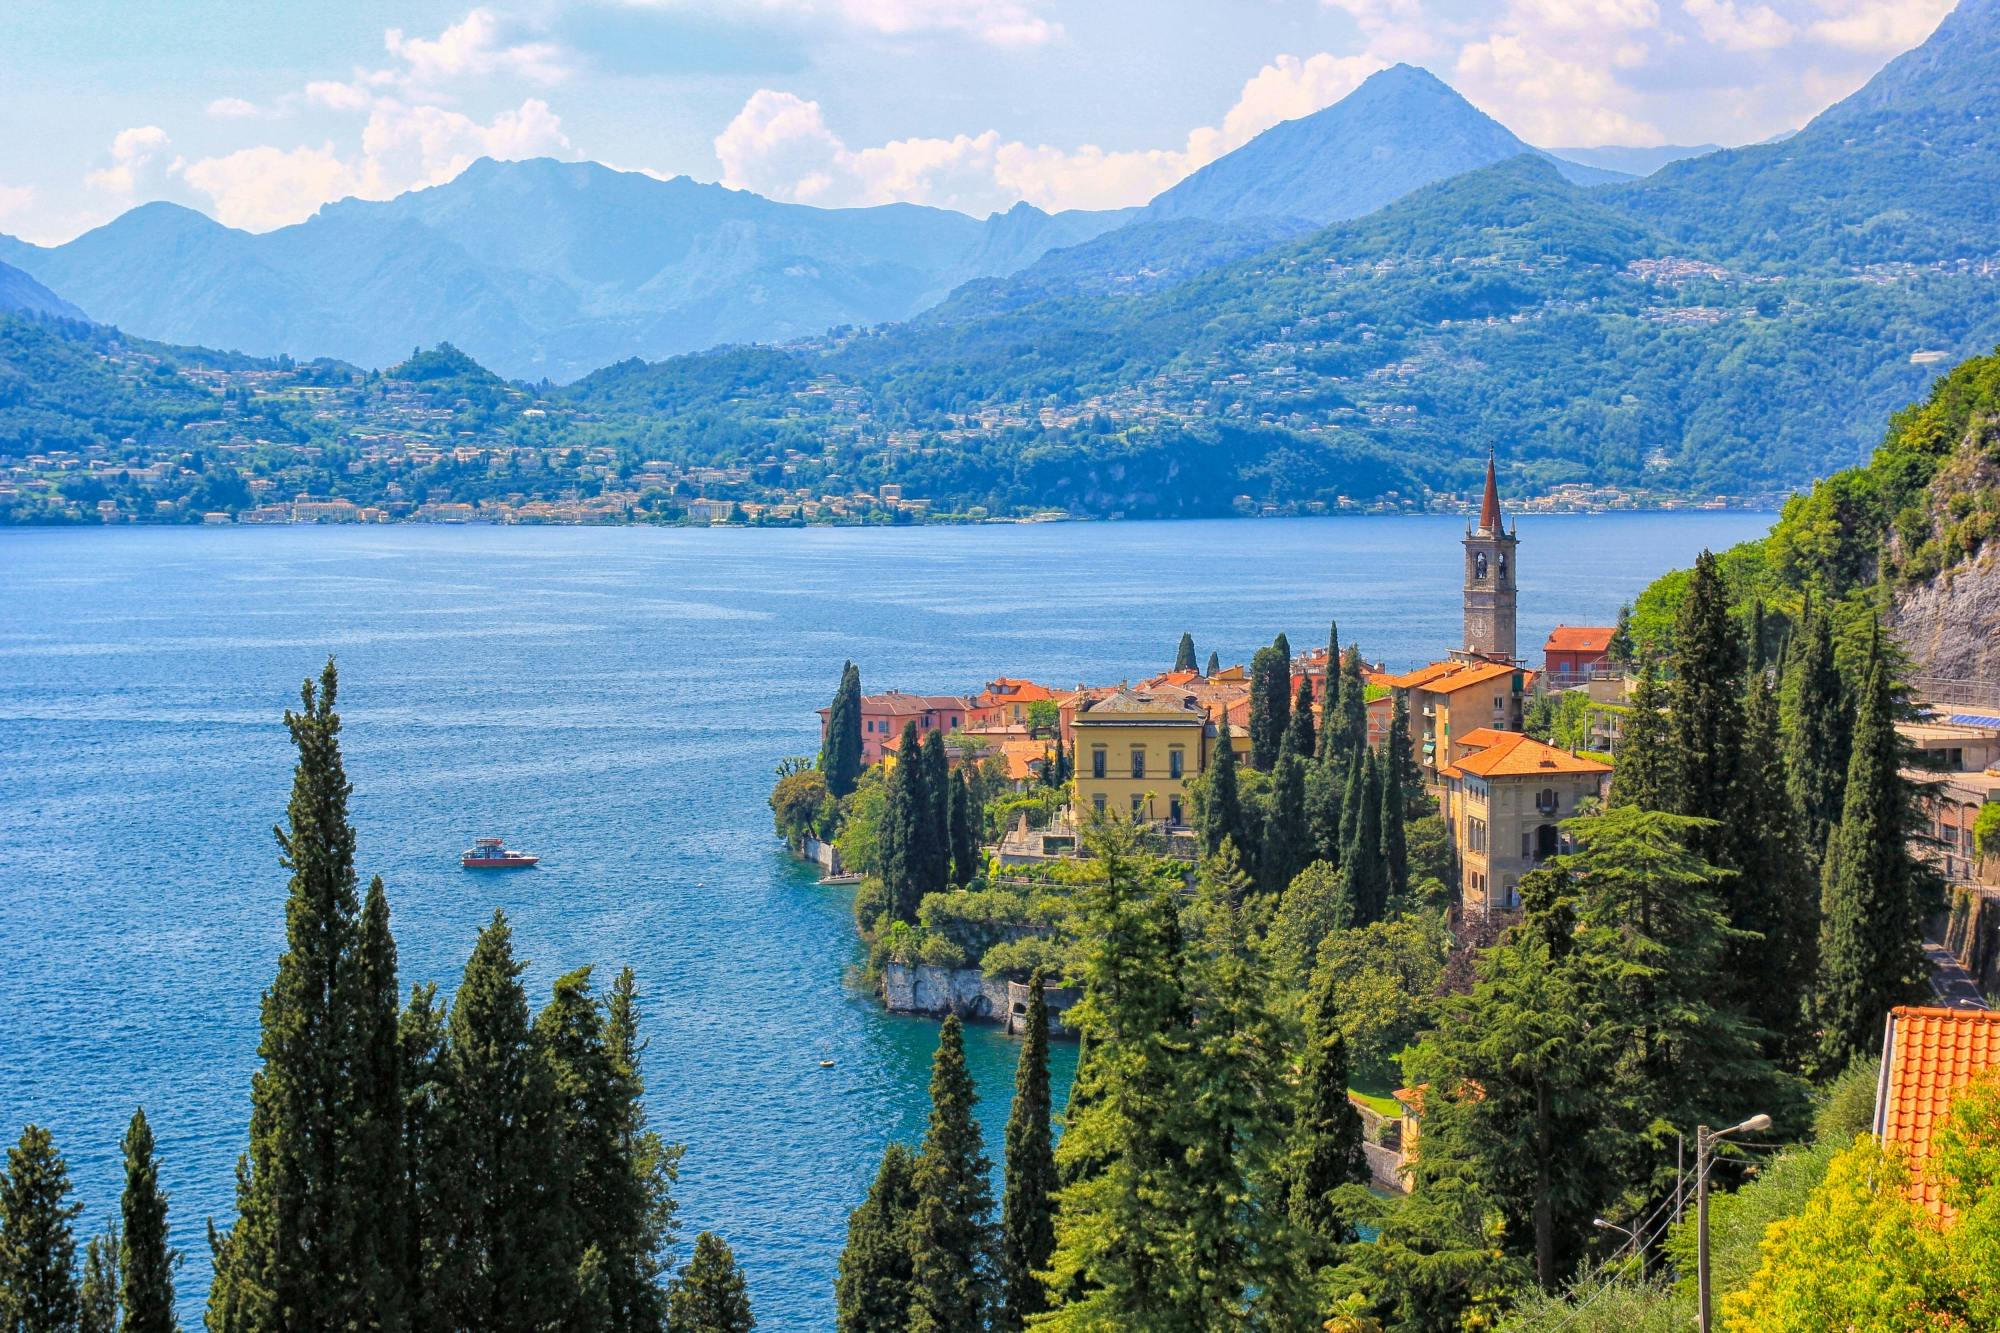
(1944,561)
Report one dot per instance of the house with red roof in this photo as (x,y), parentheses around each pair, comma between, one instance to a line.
(1574,653)
(1929,1057)
(883,716)
(1505,801)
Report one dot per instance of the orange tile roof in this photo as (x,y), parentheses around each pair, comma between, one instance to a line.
(1515,755)
(1009,689)
(1483,673)
(1928,1057)
(1579,639)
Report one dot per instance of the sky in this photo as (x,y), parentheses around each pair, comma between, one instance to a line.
(257,112)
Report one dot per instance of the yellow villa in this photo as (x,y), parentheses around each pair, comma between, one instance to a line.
(1134,750)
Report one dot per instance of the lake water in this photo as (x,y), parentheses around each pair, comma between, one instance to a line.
(614,699)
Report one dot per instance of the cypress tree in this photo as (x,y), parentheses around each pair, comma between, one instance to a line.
(97,1302)
(1326,1134)
(1646,770)
(1270,705)
(1705,713)
(1299,731)
(1619,648)
(1053,774)
(1287,844)
(1214,665)
(38,1290)
(376,1172)
(421,1034)
(840,751)
(964,842)
(1776,894)
(1816,723)
(1325,790)
(582,1135)
(300,1245)
(709,1295)
(636,1219)
(1870,954)
(1222,814)
(1405,774)
(499,1271)
(950,1228)
(1184,659)
(1361,858)
(1352,705)
(1329,694)
(1395,845)
(872,1292)
(145,1260)
(937,840)
(1027,1199)
(905,825)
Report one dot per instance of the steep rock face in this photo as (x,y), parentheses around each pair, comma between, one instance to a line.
(1950,624)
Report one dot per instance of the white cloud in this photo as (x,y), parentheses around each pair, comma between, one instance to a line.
(780,145)
(1878,27)
(403,147)
(15,199)
(233,108)
(338,96)
(1740,28)
(132,151)
(1545,98)
(479,45)
(1004,23)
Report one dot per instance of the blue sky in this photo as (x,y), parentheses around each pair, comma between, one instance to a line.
(257,112)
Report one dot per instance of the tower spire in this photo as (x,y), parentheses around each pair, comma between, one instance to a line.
(1489,508)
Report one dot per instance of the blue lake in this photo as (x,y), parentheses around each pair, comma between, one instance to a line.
(614,699)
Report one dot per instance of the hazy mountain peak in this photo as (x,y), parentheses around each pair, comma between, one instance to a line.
(21,294)
(1401,129)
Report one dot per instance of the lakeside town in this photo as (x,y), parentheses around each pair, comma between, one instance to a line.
(1483,761)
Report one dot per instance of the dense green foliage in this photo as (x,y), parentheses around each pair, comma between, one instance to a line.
(145,1261)
(38,1280)
(1027,1227)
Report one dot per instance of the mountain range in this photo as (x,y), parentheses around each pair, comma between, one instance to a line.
(546,269)
(1736,322)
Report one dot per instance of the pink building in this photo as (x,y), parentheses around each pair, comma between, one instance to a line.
(883,716)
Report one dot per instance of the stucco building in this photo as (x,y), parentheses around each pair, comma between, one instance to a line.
(1505,800)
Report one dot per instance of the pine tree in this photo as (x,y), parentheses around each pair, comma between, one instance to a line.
(1326,788)
(1329,695)
(951,1227)
(145,1259)
(303,1237)
(1361,859)
(937,840)
(1299,731)
(872,1292)
(840,751)
(1816,723)
(1214,665)
(1115,1263)
(1287,843)
(1222,815)
(497,1205)
(1027,1208)
(1705,713)
(1619,648)
(1774,893)
(1646,770)
(97,1303)
(588,1170)
(1870,953)
(1270,705)
(709,1295)
(1326,1152)
(1184,659)
(38,1289)
(964,841)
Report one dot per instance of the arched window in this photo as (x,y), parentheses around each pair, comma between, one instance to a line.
(1479,565)
(1503,567)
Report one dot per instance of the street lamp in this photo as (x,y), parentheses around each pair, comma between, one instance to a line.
(1631,1237)
(1705,1140)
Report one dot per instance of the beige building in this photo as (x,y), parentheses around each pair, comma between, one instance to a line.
(1504,801)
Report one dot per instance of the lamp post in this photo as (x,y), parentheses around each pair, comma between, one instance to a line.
(1631,1237)
(1705,1140)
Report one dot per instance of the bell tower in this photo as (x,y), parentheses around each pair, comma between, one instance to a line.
(1489,580)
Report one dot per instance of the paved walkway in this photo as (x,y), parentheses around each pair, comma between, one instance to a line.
(1953,984)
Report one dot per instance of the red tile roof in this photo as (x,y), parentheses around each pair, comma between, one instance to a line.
(1928,1057)
(1510,754)
(1579,639)
(1489,506)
